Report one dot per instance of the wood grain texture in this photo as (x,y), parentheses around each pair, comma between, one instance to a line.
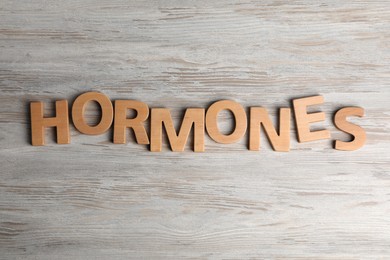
(94,199)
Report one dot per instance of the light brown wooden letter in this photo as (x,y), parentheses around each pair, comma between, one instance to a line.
(136,123)
(259,116)
(340,120)
(303,119)
(78,109)
(160,116)
(60,121)
(240,121)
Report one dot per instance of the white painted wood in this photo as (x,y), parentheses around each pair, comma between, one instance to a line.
(95,199)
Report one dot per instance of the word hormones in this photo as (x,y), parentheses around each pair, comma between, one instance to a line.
(196,118)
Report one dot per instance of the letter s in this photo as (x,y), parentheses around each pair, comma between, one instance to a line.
(340,120)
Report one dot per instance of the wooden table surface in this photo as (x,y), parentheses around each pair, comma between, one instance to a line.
(93,199)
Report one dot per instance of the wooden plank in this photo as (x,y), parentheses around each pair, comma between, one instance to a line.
(96,199)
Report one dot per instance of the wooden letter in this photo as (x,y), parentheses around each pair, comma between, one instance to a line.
(259,116)
(303,119)
(136,123)
(340,120)
(240,121)
(78,109)
(60,121)
(160,116)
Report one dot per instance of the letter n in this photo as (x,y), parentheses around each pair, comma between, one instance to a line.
(259,116)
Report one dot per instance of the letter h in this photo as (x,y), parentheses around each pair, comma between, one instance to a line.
(60,121)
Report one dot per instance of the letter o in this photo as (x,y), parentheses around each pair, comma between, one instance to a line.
(239,116)
(78,110)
